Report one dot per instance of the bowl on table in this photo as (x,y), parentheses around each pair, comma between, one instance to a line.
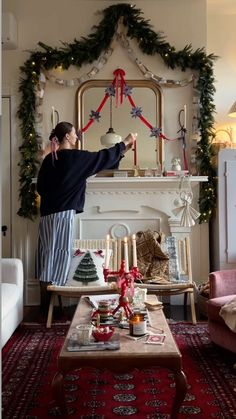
(103,333)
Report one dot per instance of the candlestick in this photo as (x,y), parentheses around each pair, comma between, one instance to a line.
(185,116)
(134,251)
(134,136)
(135,153)
(53,117)
(126,256)
(107,253)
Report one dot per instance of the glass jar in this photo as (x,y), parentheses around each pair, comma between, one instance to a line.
(104,310)
(137,325)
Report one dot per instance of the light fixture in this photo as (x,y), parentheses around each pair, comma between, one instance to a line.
(232,111)
(110,138)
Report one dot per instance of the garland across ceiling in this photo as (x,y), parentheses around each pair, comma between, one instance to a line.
(89,49)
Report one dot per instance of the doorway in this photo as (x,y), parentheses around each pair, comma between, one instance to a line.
(6,167)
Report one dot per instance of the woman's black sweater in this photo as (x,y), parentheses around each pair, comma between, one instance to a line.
(62,182)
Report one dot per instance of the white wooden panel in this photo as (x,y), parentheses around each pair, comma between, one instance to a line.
(231,210)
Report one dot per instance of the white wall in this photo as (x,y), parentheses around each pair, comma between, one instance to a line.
(183,22)
(221,36)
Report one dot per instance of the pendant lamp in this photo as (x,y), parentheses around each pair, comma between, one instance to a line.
(110,138)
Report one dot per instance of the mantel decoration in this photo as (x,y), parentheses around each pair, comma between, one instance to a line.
(97,46)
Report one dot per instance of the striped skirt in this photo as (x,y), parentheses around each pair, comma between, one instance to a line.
(54,250)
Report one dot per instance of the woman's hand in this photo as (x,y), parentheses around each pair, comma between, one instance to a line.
(129,141)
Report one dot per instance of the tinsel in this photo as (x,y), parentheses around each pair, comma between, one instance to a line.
(88,50)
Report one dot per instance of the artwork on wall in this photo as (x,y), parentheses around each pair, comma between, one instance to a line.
(92,48)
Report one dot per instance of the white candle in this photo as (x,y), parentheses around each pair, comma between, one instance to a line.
(134,251)
(53,117)
(126,256)
(185,116)
(107,253)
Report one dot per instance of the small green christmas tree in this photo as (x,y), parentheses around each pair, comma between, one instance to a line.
(86,270)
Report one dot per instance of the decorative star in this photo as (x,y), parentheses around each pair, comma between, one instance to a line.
(155,132)
(127,91)
(95,115)
(136,112)
(110,90)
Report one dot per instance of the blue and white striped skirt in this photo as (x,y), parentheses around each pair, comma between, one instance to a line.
(54,251)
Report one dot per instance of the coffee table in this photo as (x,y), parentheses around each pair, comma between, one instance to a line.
(131,355)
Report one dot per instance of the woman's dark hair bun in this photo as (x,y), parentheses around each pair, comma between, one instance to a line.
(60,130)
(52,135)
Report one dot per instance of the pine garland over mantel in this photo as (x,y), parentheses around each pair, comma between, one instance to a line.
(87,50)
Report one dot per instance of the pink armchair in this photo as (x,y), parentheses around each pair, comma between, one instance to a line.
(222,291)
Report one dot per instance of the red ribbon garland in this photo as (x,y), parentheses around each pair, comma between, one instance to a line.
(119,82)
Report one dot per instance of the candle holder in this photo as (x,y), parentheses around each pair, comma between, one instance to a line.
(183,132)
(136,171)
(125,286)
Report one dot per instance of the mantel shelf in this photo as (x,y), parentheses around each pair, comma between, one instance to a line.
(147,179)
(142,184)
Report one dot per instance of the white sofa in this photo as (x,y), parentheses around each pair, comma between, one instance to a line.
(11,297)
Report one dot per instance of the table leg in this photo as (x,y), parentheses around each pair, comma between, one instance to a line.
(180,393)
(58,392)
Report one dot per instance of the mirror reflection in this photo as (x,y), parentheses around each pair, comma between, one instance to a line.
(146,95)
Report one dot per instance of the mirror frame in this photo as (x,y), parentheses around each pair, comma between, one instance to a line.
(91,84)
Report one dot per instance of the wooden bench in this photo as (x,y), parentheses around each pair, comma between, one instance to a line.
(184,286)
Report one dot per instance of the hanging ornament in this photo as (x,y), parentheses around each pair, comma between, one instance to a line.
(95,116)
(188,214)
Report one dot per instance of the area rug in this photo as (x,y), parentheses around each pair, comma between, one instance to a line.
(29,364)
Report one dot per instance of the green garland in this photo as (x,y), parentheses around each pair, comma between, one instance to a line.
(88,50)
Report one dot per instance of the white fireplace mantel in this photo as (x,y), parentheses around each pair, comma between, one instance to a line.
(123,206)
(126,205)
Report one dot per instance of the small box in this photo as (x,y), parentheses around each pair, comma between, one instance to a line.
(120,174)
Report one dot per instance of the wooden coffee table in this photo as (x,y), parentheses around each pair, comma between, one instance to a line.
(131,355)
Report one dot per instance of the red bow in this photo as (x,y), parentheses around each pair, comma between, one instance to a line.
(99,253)
(78,252)
(119,74)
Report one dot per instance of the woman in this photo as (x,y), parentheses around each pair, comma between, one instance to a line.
(61,185)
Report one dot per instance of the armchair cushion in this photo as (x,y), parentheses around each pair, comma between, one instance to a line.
(215,306)
(222,292)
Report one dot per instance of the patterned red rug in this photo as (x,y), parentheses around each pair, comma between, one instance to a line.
(29,364)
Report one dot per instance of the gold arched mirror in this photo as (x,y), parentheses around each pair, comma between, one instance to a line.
(145,94)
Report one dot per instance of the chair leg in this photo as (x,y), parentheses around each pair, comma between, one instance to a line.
(50,310)
(193,311)
(60,302)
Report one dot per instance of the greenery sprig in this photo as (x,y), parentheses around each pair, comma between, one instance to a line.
(87,50)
